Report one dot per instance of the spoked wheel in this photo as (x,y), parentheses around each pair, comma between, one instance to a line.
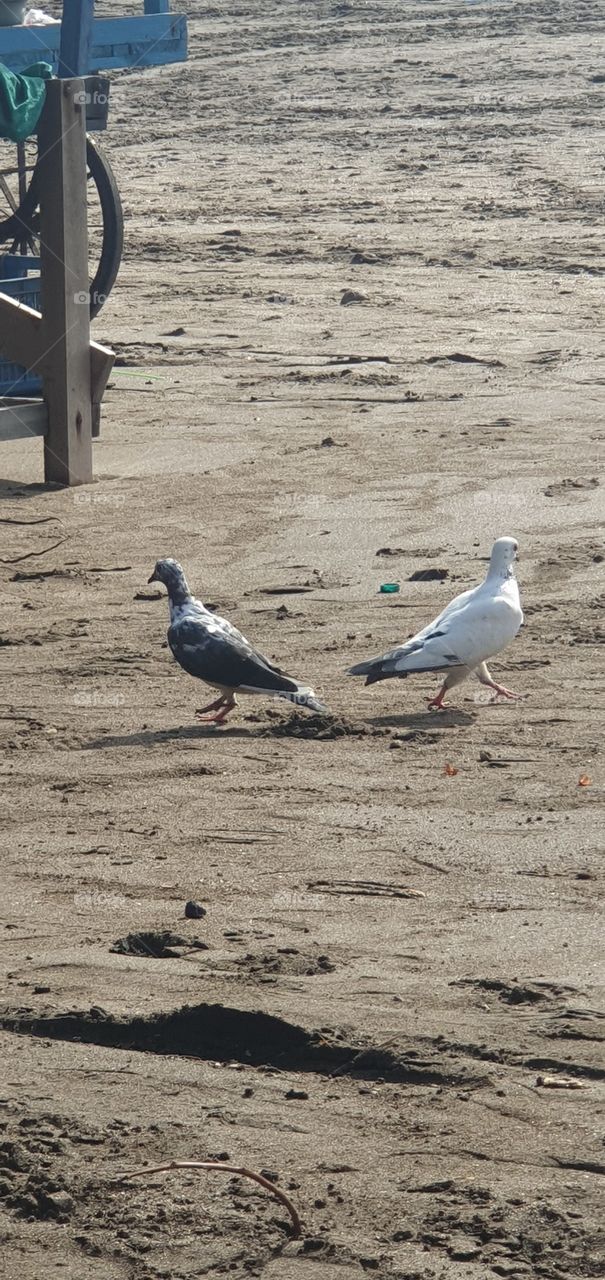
(20,214)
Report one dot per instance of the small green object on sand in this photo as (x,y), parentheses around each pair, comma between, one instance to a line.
(389,588)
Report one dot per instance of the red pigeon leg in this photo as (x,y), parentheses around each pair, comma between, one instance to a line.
(228,705)
(484,677)
(436,703)
(455,676)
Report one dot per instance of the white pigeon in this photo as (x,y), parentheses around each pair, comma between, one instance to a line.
(207,646)
(474,627)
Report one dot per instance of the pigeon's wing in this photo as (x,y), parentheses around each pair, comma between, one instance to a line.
(199,612)
(431,650)
(220,655)
(459,602)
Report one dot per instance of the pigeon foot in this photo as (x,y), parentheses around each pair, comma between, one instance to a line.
(503,692)
(221,708)
(211,706)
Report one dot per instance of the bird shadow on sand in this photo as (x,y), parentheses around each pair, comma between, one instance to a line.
(423,720)
(155,737)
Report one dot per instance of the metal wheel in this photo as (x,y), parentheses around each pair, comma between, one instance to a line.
(20,219)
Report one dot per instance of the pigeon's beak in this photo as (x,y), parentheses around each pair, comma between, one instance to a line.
(152,579)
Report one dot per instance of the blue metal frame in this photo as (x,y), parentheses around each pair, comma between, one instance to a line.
(151,40)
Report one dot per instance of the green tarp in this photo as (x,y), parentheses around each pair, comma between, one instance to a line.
(21,100)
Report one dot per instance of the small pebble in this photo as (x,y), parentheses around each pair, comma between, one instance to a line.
(59,1202)
(194,910)
(464,1253)
(351,295)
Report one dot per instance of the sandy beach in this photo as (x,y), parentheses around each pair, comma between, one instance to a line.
(358,337)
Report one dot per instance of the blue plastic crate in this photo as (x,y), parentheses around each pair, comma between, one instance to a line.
(15,380)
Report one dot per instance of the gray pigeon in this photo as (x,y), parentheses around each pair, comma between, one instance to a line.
(210,648)
(474,627)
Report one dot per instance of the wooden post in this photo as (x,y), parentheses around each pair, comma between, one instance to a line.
(76,36)
(64,270)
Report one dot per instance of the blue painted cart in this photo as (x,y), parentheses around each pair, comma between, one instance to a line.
(155,38)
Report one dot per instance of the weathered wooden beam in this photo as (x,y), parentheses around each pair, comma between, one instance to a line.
(76,33)
(22,419)
(21,340)
(65,325)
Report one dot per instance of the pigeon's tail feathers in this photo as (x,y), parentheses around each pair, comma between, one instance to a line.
(303,696)
(376,669)
(363,668)
(383,673)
